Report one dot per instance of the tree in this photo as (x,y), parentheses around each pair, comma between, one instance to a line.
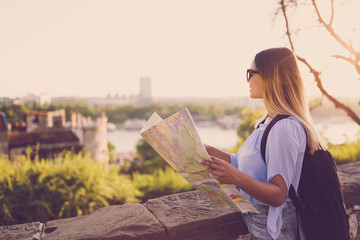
(148,159)
(246,127)
(14,113)
(349,54)
(145,151)
(250,116)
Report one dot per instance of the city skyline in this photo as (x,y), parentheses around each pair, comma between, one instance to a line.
(188,48)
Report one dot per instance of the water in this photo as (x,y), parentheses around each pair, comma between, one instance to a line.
(125,141)
(336,131)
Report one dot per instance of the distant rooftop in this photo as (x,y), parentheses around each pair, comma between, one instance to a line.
(39,112)
(18,139)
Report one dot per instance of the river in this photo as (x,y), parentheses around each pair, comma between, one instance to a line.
(336,130)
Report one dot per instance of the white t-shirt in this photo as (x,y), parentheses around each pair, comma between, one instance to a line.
(284,155)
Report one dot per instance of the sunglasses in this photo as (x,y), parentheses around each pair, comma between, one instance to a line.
(250,73)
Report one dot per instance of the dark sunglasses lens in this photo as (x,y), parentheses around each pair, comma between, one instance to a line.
(248,75)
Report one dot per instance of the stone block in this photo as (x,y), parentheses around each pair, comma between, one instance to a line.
(191,215)
(26,231)
(128,221)
(354,222)
(349,175)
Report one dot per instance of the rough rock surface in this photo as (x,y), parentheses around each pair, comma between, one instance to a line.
(26,231)
(350,182)
(354,222)
(191,215)
(128,221)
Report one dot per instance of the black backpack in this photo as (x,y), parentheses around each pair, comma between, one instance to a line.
(319,201)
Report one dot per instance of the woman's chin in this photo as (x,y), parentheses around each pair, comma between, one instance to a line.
(255,96)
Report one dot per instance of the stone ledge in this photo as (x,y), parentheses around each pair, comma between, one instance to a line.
(26,231)
(191,215)
(349,175)
(187,216)
(128,221)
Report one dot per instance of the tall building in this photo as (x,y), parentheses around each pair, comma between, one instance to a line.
(145,89)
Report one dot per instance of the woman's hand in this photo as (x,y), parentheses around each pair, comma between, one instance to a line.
(221,170)
(272,193)
(212,151)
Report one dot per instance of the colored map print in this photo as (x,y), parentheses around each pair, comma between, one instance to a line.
(182,153)
(176,139)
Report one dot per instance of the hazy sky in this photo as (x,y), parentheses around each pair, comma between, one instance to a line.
(95,48)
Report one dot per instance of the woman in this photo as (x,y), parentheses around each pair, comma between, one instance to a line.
(274,77)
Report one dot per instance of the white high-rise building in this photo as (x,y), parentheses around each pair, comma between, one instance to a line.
(145,89)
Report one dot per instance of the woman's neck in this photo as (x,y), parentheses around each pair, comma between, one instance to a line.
(270,116)
(268,119)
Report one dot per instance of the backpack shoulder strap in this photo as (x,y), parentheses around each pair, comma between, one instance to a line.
(267,131)
(263,121)
(264,138)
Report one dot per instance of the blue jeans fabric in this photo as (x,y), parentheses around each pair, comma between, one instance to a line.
(257,223)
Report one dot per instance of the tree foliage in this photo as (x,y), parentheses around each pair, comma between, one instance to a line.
(160,182)
(66,187)
(246,127)
(73,185)
(15,113)
(346,152)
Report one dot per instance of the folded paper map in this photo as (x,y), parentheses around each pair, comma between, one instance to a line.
(177,140)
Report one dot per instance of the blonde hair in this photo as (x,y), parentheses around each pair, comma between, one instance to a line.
(283,90)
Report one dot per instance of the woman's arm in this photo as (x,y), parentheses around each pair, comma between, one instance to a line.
(212,151)
(272,193)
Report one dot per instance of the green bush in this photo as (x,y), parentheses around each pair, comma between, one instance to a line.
(66,187)
(159,183)
(148,159)
(73,185)
(246,127)
(345,153)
